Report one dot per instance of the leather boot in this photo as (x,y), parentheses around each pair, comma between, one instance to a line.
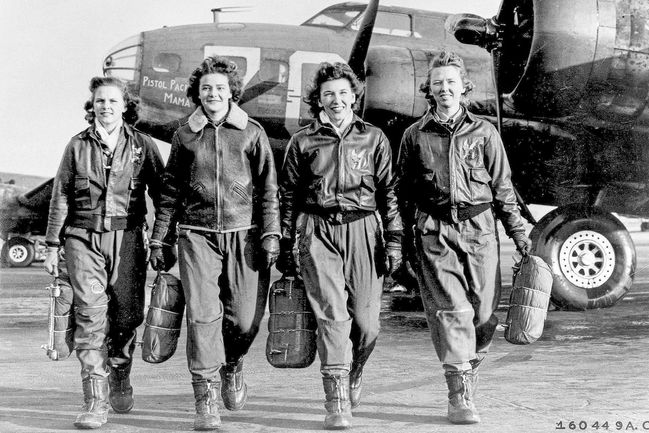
(339,411)
(95,403)
(234,390)
(121,391)
(461,409)
(355,384)
(207,409)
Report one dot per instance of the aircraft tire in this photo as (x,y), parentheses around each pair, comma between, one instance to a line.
(18,252)
(591,255)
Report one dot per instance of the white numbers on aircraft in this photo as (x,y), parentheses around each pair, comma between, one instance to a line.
(296,62)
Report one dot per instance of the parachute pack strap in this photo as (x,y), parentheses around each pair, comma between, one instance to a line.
(517,266)
(54,291)
(158,275)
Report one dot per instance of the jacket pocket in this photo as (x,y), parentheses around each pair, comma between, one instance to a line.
(198,192)
(367,190)
(239,192)
(316,192)
(480,188)
(82,198)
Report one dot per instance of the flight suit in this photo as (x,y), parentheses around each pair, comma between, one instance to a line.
(221,186)
(98,208)
(454,179)
(331,188)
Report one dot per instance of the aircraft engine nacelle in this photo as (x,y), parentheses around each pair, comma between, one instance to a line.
(560,56)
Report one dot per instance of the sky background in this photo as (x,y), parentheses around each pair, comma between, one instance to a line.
(51,48)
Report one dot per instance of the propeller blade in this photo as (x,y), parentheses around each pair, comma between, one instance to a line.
(363,37)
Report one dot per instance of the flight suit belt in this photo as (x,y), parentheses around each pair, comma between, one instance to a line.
(100,223)
(338,217)
(463,213)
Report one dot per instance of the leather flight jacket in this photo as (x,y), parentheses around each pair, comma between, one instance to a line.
(455,172)
(220,178)
(342,178)
(100,191)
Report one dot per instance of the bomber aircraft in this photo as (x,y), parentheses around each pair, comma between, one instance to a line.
(570,96)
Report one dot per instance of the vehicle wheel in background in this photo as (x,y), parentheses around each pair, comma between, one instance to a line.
(18,252)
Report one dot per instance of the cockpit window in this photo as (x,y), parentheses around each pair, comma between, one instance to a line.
(333,18)
(389,23)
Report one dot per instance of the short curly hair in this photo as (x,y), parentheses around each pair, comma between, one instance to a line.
(213,65)
(131,102)
(328,72)
(447,58)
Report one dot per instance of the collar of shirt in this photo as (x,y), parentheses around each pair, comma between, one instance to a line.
(109,139)
(450,121)
(324,118)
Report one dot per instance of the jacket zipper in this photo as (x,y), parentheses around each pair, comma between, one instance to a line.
(218,179)
(451,165)
(341,170)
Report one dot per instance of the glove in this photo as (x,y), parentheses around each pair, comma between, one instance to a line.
(522,242)
(393,255)
(157,258)
(270,250)
(393,258)
(286,262)
(52,261)
(410,246)
(169,257)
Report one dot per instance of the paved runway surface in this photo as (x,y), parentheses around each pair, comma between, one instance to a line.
(587,373)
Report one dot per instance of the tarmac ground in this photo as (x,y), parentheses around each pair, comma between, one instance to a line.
(588,372)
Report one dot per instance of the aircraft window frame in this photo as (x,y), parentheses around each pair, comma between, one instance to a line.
(430,27)
(165,62)
(384,17)
(333,17)
(274,71)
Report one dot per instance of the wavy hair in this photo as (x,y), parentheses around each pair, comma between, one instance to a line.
(328,72)
(131,102)
(447,58)
(213,65)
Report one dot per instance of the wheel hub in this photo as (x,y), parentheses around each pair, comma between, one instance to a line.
(587,259)
(18,253)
